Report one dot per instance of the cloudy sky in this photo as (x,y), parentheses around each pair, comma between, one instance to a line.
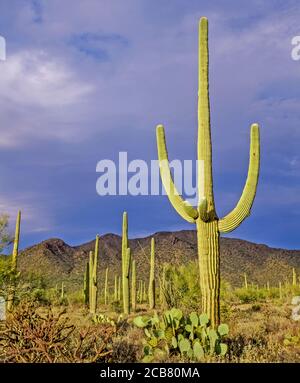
(84,80)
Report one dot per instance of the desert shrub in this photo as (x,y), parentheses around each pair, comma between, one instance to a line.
(181,287)
(32,336)
(76,297)
(176,334)
(247,295)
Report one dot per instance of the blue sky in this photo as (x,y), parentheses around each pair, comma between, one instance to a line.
(84,80)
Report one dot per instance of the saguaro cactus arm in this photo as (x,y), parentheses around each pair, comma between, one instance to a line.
(181,206)
(242,210)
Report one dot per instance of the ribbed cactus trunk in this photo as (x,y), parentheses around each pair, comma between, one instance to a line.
(133,286)
(151,289)
(209,226)
(140,292)
(14,264)
(209,265)
(116,289)
(126,286)
(119,289)
(91,269)
(106,287)
(145,296)
(86,284)
(94,279)
(124,262)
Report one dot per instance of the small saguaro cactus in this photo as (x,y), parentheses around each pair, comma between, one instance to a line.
(116,289)
(106,287)
(119,289)
(93,281)
(62,291)
(126,289)
(140,292)
(209,225)
(151,289)
(294,277)
(14,264)
(133,286)
(245,281)
(124,256)
(86,284)
(280,290)
(145,295)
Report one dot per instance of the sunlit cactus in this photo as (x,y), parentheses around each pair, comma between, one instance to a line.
(245,281)
(62,291)
(151,289)
(106,287)
(294,277)
(93,280)
(14,264)
(209,225)
(86,284)
(133,286)
(116,288)
(126,287)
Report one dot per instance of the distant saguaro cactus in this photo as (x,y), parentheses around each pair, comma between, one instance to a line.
(14,264)
(151,289)
(245,281)
(133,286)
(106,287)
(86,284)
(94,279)
(116,289)
(209,225)
(294,277)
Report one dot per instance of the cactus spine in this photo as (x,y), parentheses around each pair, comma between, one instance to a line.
(93,281)
(209,226)
(14,263)
(133,286)
(151,289)
(106,287)
(86,284)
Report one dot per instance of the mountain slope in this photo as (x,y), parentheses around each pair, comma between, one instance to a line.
(55,260)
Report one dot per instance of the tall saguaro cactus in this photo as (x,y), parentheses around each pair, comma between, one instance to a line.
(209,225)
(151,289)
(126,289)
(93,281)
(106,287)
(14,263)
(86,284)
(133,286)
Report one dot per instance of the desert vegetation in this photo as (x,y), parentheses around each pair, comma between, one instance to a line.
(165,311)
